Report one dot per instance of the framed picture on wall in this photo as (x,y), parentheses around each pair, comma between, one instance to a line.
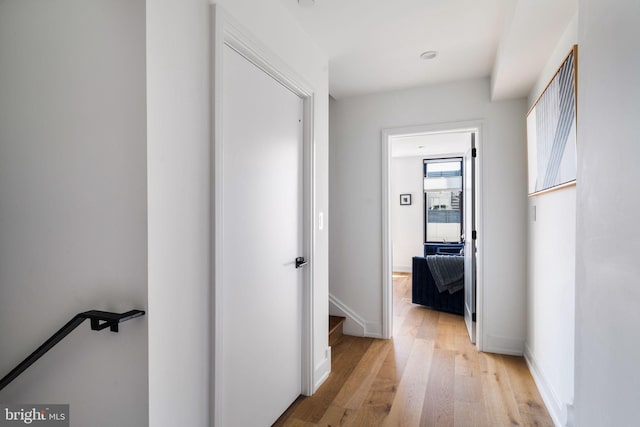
(405,199)
(551,131)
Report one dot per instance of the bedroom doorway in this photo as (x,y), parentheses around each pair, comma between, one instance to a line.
(431,202)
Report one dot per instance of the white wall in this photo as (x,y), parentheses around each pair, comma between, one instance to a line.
(407,230)
(355,183)
(551,272)
(607,377)
(178,204)
(551,298)
(73,224)
(562,48)
(179,188)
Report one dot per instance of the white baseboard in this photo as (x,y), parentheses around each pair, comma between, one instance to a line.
(503,345)
(322,370)
(351,327)
(402,268)
(354,324)
(560,414)
(373,330)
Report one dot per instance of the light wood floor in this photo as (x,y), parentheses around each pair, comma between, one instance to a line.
(429,374)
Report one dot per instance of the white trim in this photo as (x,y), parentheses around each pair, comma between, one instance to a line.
(549,396)
(354,325)
(308,387)
(387,252)
(503,345)
(345,311)
(401,269)
(253,50)
(373,330)
(387,280)
(225,31)
(323,370)
(216,213)
(482,166)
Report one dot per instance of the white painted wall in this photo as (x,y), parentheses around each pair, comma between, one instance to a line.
(179,218)
(561,50)
(607,377)
(551,273)
(355,183)
(551,298)
(406,221)
(179,188)
(73,212)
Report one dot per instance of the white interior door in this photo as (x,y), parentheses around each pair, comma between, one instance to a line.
(262,204)
(469,205)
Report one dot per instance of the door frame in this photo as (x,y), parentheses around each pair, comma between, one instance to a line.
(225,31)
(387,254)
(470,251)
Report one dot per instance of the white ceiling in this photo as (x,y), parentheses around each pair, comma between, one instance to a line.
(374,45)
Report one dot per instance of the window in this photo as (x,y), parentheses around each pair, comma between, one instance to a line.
(442,200)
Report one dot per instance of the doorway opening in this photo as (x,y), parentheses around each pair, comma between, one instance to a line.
(435,168)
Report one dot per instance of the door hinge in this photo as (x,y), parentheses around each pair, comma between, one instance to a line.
(474,152)
(474,234)
(473,317)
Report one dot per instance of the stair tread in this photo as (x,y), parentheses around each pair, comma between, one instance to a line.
(335,322)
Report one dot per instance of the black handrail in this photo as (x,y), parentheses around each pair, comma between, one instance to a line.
(99,321)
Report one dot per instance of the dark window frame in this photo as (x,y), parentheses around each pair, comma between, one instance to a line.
(424,195)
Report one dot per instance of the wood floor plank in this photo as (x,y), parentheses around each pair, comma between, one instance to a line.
(376,408)
(336,416)
(401,295)
(467,362)
(469,414)
(467,388)
(356,388)
(288,417)
(313,409)
(413,320)
(438,406)
(469,408)
(528,398)
(429,374)
(500,405)
(446,332)
(429,328)
(406,408)
(377,404)
(294,422)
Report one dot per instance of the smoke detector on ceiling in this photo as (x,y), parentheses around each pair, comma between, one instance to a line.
(306,3)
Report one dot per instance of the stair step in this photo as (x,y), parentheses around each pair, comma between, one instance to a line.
(335,329)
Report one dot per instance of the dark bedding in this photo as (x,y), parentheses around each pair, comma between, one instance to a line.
(447,272)
(425,292)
